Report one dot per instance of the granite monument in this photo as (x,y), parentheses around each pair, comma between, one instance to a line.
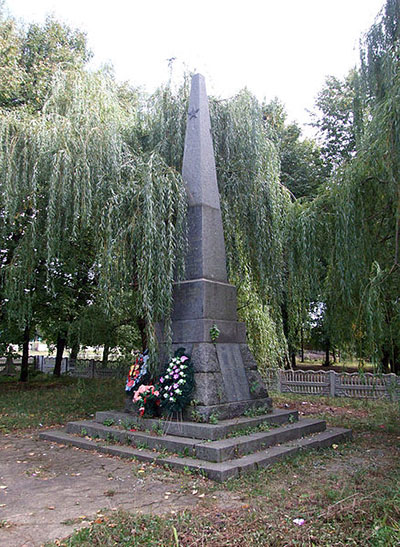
(226,376)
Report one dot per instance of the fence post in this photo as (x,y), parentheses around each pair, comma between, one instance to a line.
(332,382)
(93,366)
(279,383)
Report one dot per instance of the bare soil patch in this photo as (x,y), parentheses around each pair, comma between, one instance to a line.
(48,490)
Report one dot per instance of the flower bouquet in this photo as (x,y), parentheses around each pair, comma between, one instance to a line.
(137,372)
(177,383)
(147,399)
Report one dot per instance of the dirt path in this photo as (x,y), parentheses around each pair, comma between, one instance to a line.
(48,490)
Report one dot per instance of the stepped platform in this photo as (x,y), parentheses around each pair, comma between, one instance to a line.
(219,451)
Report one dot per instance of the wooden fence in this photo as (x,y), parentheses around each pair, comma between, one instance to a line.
(334,384)
(83,368)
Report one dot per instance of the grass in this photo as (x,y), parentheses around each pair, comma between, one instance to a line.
(46,401)
(350,365)
(357,414)
(348,495)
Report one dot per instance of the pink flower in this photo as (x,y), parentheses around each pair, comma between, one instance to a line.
(176,376)
(161,379)
(142,389)
(175,386)
(156,393)
(184,358)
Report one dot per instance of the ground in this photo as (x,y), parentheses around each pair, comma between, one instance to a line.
(348,495)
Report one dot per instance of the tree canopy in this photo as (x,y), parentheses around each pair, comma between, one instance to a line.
(354,221)
(93,207)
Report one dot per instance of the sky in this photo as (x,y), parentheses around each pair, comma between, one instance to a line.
(275,48)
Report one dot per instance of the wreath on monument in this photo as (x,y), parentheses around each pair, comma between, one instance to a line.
(173,390)
(177,383)
(138,372)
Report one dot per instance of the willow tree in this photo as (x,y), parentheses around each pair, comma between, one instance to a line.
(353,254)
(68,173)
(371,197)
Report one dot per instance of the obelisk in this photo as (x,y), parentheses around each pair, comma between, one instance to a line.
(226,377)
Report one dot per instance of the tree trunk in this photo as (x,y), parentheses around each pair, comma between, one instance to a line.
(106,352)
(141,323)
(61,341)
(394,361)
(302,345)
(293,359)
(385,360)
(75,350)
(25,355)
(327,348)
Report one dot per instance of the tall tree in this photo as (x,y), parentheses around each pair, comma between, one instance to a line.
(30,58)
(337,112)
(358,242)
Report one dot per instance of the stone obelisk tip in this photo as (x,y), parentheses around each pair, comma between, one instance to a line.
(206,256)
(198,169)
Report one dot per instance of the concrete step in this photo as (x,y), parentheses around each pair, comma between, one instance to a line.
(220,471)
(214,451)
(196,430)
(139,439)
(235,447)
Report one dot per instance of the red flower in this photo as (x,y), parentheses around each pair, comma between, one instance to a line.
(141,411)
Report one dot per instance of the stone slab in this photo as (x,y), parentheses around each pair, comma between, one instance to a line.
(219,472)
(256,384)
(198,330)
(226,411)
(206,247)
(233,373)
(199,430)
(204,299)
(170,443)
(213,451)
(209,389)
(235,447)
(248,358)
(204,358)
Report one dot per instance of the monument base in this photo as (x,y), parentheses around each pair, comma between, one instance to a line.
(227,382)
(226,411)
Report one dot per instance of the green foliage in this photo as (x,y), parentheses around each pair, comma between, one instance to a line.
(336,122)
(214,333)
(70,171)
(344,250)
(31,58)
(302,168)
